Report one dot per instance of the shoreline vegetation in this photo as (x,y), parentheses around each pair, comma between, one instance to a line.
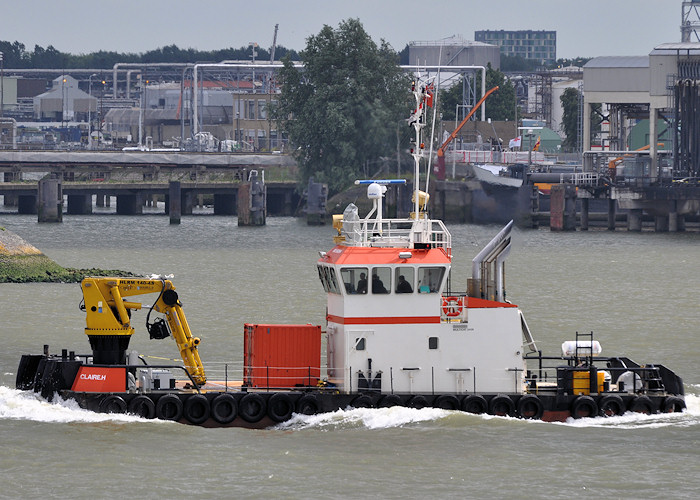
(21,262)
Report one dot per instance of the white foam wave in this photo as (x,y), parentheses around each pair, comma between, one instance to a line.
(370,418)
(385,418)
(25,405)
(630,420)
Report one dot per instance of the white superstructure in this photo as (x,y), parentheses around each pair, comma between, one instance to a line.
(392,324)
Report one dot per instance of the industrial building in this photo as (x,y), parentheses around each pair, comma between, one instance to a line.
(230,111)
(528,44)
(64,102)
(453,51)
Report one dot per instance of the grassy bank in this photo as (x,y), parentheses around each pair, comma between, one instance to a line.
(39,268)
(21,262)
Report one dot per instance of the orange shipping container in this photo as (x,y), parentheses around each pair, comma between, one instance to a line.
(282,356)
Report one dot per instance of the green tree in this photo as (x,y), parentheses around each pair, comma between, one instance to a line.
(570,106)
(500,106)
(17,57)
(342,110)
(518,63)
(449,99)
(13,54)
(47,58)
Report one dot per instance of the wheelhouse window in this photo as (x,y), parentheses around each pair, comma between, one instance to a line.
(404,279)
(381,280)
(430,279)
(354,279)
(328,279)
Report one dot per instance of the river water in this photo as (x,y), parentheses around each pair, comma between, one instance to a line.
(637,291)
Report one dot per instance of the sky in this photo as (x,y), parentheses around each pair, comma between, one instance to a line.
(585,28)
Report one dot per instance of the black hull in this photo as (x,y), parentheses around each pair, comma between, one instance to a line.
(257,410)
(260,408)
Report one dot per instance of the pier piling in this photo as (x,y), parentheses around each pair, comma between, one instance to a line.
(50,200)
(174,201)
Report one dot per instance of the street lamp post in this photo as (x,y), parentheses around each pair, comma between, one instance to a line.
(529,132)
(90,110)
(2,84)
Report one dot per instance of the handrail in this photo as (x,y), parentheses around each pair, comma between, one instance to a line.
(398,232)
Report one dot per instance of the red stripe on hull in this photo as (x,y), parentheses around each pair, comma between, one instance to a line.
(394,320)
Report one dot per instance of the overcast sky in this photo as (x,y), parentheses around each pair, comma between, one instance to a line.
(584,28)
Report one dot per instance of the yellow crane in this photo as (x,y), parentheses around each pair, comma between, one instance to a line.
(108,320)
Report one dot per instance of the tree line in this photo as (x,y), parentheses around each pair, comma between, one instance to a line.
(17,56)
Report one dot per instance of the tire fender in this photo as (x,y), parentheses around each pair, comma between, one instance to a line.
(142,406)
(196,409)
(501,405)
(112,404)
(224,408)
(390,400)
(280,407)
(530,407)
(641,404)
(308,405)
(584,406)
(673,404)
(252,408)
(475,403)
(169,407)
(446,402)
(417,402)
(611,406)
(361,401)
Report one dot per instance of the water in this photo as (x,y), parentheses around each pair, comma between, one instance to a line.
(637,292)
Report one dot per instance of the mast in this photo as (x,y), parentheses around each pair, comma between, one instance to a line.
(423,94)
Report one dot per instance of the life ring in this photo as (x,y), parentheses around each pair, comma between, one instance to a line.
(446,402)
(196,409)
(252,408)
(611,406)
(308,405)
(361,401)
(475,403)
(113,404)
(142,406)
(584,406)
(452,307)
(673,404)
(390,400)
(224,408)
(530,407)
(280,407)
(502,406)
(169,407)
(417,402)
(641,404)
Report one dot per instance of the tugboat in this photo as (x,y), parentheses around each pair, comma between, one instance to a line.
(397,334)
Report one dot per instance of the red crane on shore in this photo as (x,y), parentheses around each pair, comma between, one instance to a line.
(440,167)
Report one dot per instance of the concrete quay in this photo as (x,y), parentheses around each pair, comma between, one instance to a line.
(131,197)
(79,161)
